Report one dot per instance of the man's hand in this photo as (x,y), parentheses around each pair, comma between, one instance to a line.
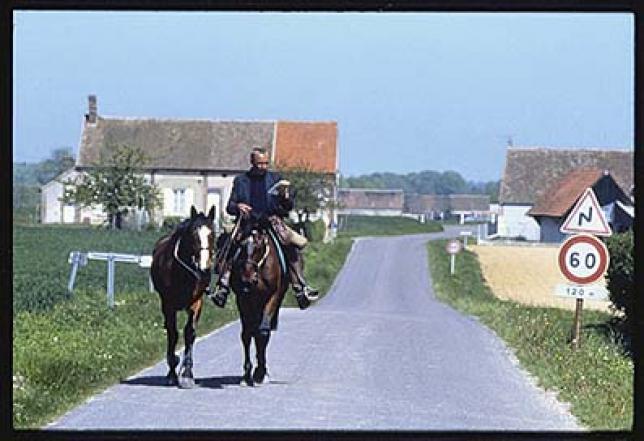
(244,209)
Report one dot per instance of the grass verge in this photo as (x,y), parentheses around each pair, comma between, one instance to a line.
(597,380)
(354,225)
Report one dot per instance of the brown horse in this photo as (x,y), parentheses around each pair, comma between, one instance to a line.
(259,282)
(181,268)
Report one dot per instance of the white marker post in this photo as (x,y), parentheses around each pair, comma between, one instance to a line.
(452,247)
(465,234)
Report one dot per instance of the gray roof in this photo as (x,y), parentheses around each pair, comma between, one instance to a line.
(424,203)
(529,172)
(178,144)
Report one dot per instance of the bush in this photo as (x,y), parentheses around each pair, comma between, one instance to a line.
(620,275)
(315,230)
(169,222)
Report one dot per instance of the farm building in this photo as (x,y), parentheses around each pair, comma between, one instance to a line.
(370,202)
(530,172)
(194,162)
(435,206)
(553,207)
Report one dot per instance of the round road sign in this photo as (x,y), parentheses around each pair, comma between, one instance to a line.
(453,246)
(583,259)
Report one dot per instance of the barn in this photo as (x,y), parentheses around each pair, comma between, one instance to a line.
(553,207)
(194,162)
(531,171)
(370,202)
(436,206)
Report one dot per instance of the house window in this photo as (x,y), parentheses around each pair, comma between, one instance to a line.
(179,200)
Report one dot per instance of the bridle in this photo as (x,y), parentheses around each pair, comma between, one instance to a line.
(184,264)
(257,265)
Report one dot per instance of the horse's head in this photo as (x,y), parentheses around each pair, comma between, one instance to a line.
(198,241)
(254,250)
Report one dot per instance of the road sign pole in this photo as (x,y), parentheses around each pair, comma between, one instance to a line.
(576,331)
(451,263)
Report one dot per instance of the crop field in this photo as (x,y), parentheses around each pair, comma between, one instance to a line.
(527,275)
(41,270)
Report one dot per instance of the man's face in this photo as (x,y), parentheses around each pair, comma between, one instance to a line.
(259,162)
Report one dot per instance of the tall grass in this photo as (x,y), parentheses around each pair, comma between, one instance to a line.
(597,379)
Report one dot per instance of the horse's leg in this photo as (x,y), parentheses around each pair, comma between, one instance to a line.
(261,341)
(186,379)
(170,324)
(246,336)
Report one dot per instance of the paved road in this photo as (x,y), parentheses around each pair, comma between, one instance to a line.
(379,353)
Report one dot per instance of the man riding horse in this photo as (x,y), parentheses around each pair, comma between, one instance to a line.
(250,198)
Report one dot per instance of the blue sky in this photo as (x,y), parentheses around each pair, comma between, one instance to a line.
(410,91)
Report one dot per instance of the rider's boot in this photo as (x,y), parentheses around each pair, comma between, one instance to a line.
(221,295)
(303,292)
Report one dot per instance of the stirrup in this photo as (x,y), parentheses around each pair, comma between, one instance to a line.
(219,298)
(311,293)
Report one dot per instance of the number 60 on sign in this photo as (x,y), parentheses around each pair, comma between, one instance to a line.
(583,259)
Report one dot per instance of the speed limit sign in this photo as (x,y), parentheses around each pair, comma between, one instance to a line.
(583,259)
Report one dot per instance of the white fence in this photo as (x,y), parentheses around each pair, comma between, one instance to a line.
(78,259)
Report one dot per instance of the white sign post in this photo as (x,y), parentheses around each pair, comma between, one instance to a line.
(452,248)
(583,259)
(465,234)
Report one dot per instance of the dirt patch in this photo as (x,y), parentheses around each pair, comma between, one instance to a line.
(527,275)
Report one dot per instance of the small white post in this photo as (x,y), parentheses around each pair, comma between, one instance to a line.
(72,276)
(110,281)
(151,284)
(451,263)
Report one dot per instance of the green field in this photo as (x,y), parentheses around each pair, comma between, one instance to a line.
(352,226)
(597,379)
(68,348)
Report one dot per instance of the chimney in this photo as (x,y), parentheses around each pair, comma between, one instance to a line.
(90,117)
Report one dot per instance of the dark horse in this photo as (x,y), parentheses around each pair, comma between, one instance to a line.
(259,283)
(181,266)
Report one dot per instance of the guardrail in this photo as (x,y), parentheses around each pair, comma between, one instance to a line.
(78,259)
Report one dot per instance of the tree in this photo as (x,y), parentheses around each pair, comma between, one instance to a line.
(311,190)
(114,182)
(60,160)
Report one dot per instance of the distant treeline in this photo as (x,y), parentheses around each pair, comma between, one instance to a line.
(424,182)
(27,179)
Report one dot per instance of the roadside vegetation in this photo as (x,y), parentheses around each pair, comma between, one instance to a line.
(352,226)
(597,379)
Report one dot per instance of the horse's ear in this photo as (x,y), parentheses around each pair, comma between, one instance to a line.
(193,212)
(211,214)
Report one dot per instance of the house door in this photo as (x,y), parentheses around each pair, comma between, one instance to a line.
(69,214)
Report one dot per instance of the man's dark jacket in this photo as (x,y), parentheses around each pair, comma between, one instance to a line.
(241,193)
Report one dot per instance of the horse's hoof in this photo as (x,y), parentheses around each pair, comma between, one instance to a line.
(171,380)
(246,382)
(186,383)
(260,376)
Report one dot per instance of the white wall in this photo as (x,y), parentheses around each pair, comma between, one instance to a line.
(513,222)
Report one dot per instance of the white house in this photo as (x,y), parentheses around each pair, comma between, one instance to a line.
(530,171)
(194,162)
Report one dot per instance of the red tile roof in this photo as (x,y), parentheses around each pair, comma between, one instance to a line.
(310,144)
(562,195)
